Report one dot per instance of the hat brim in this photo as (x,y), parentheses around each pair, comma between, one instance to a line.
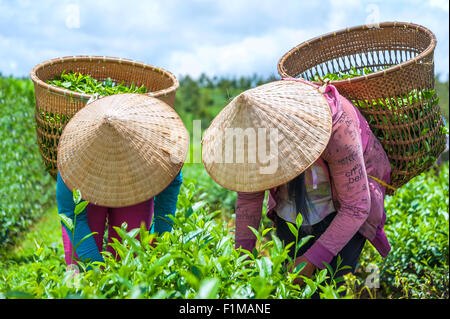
(122,150)
(299,114)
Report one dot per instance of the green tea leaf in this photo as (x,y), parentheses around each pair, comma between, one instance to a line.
(299,220)
(265,231)
(80,207)
(293,230)
(303,241)
(256,233)
(67,221)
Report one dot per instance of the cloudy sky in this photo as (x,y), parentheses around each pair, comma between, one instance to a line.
(221,37)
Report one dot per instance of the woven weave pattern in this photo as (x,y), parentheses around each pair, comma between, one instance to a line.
(122,149)
(55,106)
(398,100)
(298,114)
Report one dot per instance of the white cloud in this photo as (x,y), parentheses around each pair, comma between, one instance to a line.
(247,56)
(215,37)
(440,4)
(340,12)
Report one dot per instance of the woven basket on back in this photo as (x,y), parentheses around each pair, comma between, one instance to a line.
(55,106)
(398,101)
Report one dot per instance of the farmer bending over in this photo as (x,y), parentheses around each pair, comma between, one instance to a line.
(313,150)
(124,153)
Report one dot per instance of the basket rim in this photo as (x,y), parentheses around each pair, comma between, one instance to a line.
(93,58)
(380,73)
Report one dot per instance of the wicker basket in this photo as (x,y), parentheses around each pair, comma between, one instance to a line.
(398,102)
(55,106)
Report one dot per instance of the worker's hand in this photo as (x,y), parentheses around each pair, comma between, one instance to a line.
(307,271)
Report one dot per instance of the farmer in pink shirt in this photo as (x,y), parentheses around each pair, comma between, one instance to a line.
(333,173)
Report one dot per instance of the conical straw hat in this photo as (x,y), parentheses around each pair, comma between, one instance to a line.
(266,136)
(122,149)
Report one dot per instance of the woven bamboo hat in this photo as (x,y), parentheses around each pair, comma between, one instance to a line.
(122,149)
(267,136)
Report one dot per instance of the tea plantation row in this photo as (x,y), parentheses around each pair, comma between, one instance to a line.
(26,188)
(197,259)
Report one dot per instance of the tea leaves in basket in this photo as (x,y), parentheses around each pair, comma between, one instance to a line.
(84,83)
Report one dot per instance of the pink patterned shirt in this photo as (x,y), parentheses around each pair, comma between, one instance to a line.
(353,152)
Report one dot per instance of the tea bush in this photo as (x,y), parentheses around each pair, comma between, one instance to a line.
(26,188)
(417,227)
(196,260)
(209,191)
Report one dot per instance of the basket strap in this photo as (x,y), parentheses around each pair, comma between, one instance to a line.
(324,85)
(94,97)
(383,183)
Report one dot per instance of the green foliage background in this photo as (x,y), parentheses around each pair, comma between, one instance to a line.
(31,254)
(26,189)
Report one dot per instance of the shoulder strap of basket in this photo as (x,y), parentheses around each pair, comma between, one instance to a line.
(324,85)
(94,97)
(383,183)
